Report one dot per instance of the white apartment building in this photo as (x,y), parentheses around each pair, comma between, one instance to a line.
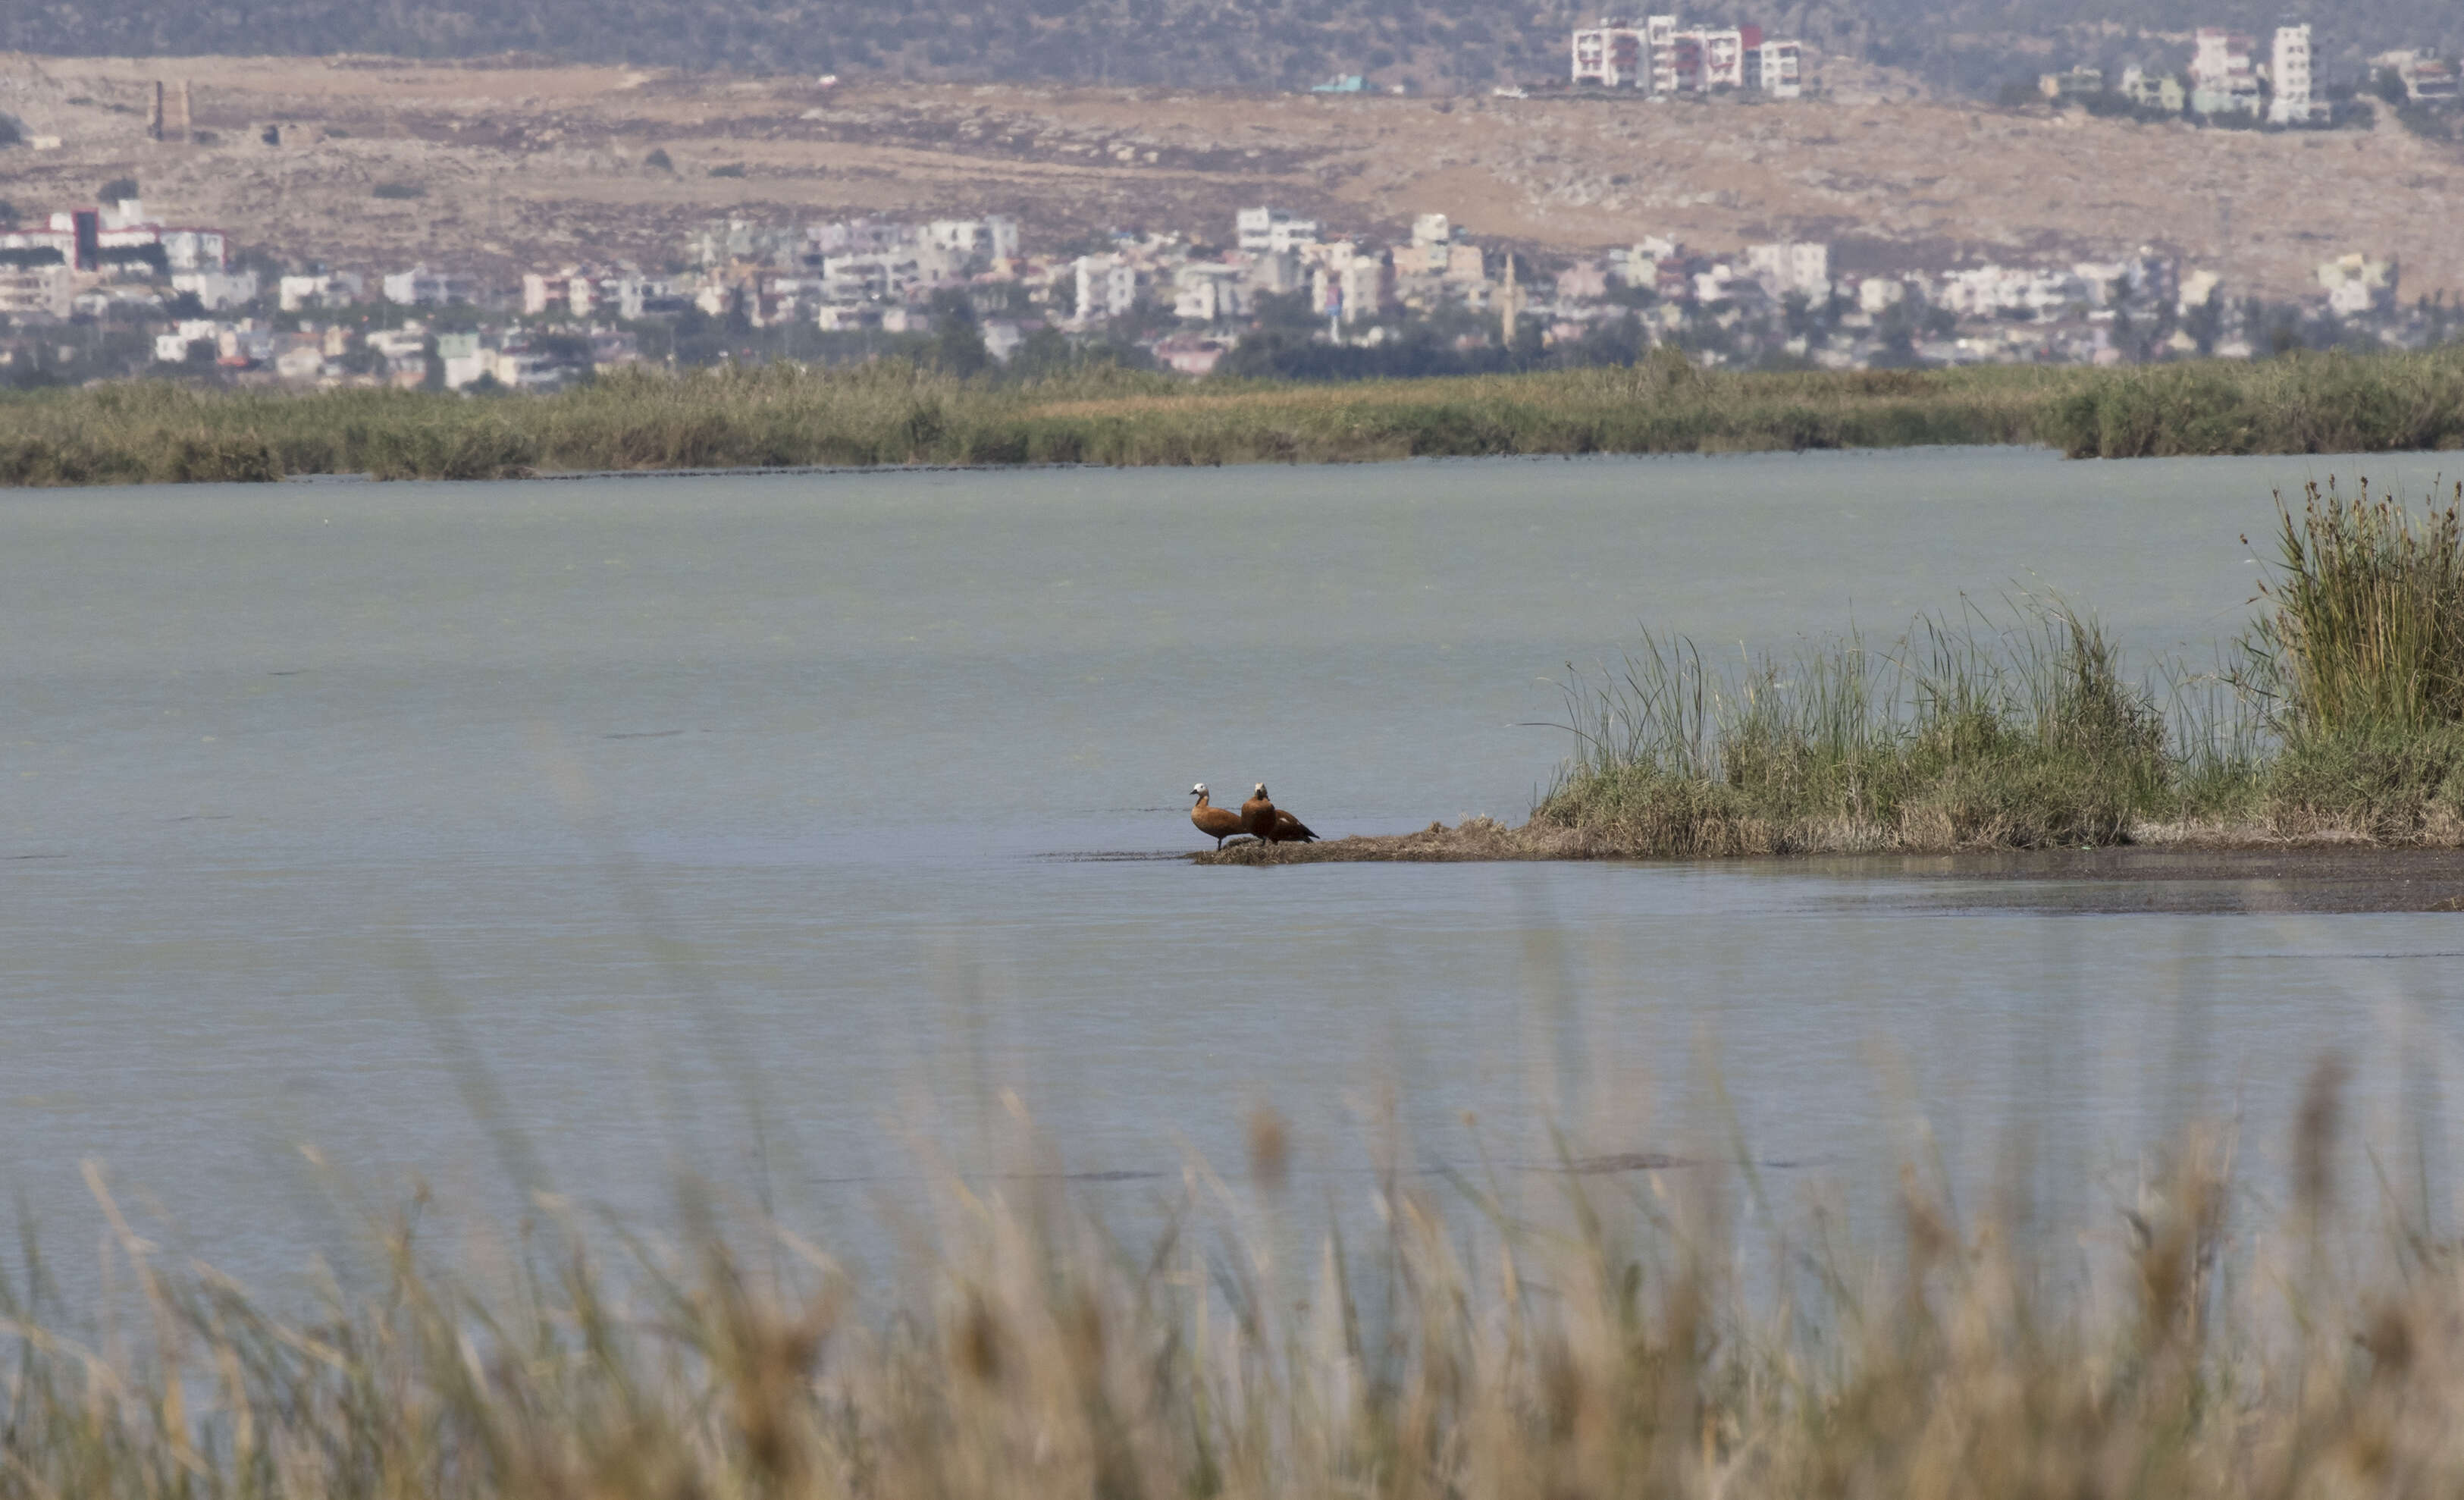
(1657,57)
(1780,69)
(2289,75)
(217,290)
(993,236)
(1352,285)
(324,289)
(1209,291)
(2156,91)
(1660,46)
(2223,81)
(1613,55)
(871,275)
(38,291)
(1800,266)
(1272,230)
(1108,286)
(125,225)
(1711,59)
(421,286)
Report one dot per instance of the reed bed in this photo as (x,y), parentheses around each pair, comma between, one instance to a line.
(785,415)
(1606,1342)
(2312,403)
(2340,716)
(1958,734)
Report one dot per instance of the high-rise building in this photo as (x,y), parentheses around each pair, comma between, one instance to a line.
(2290,73)
(1660,40)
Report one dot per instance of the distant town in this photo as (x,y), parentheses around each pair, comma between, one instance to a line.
(107,290)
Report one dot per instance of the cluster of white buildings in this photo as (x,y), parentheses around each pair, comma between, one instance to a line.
(1663,59)
(84,260)
(408,357)
(1187,303)
(2228,76)
(2225,77)
(1766,301)
(519,359)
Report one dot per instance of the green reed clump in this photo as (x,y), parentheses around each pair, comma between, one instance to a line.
(2341,716)
(2365,620)
(2358,655)
(1582,1331)
(2306,403)
(1957,736)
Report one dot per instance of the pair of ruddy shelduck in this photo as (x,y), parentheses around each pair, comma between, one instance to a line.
(1259,818)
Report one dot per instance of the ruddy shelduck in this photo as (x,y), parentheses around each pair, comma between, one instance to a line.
(1215,822)
(1258,814)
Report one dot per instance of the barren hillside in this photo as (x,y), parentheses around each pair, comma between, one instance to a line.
(520,166)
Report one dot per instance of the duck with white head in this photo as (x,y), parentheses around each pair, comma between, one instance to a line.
(1215,822)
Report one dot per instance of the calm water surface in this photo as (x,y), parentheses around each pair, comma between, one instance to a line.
(639,810)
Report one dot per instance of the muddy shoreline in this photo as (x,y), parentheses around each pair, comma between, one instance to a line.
(2169,870)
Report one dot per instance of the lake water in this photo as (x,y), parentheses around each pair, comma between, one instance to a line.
(573,829)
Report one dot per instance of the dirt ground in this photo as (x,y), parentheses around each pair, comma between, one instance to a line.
(525,166)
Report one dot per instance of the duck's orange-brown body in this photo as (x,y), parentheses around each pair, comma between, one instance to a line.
(1258,815)
(1290,830)
(1215,822)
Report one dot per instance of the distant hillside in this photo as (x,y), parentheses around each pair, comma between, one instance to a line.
(1444,45)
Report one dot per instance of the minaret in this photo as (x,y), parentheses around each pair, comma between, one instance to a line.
(1509,302)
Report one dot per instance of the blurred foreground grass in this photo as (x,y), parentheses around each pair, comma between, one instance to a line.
(1607,1347)
(895,413)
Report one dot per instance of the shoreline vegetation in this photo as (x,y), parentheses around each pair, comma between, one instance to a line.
(893,413)
(1576,1326)
(2336,719)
